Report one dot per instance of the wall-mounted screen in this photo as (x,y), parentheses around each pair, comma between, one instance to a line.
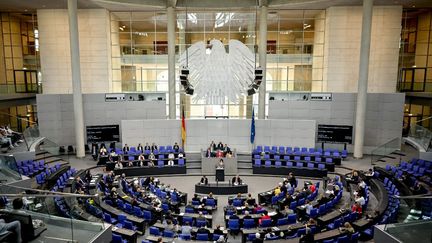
(334,134)
(103,133)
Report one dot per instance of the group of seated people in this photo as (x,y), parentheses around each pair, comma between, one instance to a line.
(220,150)
(236,180)
(9,138)
(13,227)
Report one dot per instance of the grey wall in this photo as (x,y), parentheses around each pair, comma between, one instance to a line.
(56,117)
(236,133)
(383,116)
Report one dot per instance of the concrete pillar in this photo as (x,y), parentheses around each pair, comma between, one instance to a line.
(76,78)
(363,78)
(171,62)
(262,51)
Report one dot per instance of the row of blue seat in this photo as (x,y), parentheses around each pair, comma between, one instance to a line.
(289,164)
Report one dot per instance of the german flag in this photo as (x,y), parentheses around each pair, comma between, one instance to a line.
(183,128)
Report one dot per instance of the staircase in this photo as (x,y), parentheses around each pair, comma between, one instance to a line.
(193,163)
(244,163)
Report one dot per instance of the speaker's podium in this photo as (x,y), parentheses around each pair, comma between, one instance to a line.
(220,174)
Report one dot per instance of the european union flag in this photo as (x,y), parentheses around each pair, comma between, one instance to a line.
(252,134)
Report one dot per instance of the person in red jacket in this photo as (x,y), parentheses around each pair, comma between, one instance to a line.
(356,208)
(265,216)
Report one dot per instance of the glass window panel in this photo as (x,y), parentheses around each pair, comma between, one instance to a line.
(121,16)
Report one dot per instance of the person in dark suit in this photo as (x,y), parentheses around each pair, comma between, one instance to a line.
(126,149)
(204,180)
(147,147)
(226,149)
(208,153)
(140,147)
(218,231)
(246,215)
(176,147)
(203,230)
(236,180)
(220,146)
(154,147)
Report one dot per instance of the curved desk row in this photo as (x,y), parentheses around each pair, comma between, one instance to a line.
(220,188)
(286,170)
(144,171)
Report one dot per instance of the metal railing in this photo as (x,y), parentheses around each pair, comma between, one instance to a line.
(385,149)
(421,135)
(20,88)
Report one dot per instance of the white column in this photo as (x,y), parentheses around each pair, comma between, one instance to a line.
(363,78)
(262,51)
(76,78)
(171,62)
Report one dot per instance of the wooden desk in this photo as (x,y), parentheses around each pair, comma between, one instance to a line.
(194,229)
(328,235)
(129,235)
(328,218)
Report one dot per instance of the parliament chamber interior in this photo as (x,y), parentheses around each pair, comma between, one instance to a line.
(216,121)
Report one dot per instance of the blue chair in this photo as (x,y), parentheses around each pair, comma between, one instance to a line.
(154,231)
(328,241)
(181,162)
(187,219)
(211,202)
(266,223)
(289,164)
(168,233)
(237,202)
(201,223)
(282,221)
(299,164)
(311,165)
(203,237)
(343,239)
(301,201)
(128,225)
(336,224)
(216,237)
(185,236)
(307,159)
(296,158)
(117,239)
(189,210)
(329,160)
(147,215)
(267,163)
(321,166)
(257,162)
(354,237)
(234,226)
(318,159)
(292,218)
(301,232)
(249,223)
(278,164)
(293,205)
(313,213)
(251,237)
(160,163)
(108,219)
(322,210)
(128,208)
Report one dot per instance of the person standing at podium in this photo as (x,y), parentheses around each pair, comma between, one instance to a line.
(220,165)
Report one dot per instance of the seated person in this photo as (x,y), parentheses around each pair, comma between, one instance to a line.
(126,148)
(103,151)
(220,146)
(118,165)
(258,238)
(140,147)
(360,199)
(180,155)
(220,154)
(150,163)
(236,180)
(361,184)
(270,235)
(292,180)
(13,227)
(354,177)
(154,147)
(370,173)
(203,230)
(209,153)
(347,227)
(308,207)
(141,159)
(152,157)
(170,159)
(311,222)
(229,154)
(176,147)
(356,208)
(218,230)
(204,180)
(250,200)
(147,147)
(246,215)
(226,149)
(186,229)
(265,216)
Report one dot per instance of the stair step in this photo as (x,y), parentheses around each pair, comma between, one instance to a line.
(193,171)
(193,167)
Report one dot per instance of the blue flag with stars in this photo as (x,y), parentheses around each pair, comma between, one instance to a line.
(252,134)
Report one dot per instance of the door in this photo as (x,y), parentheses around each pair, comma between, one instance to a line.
(412,80)
(25,81)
